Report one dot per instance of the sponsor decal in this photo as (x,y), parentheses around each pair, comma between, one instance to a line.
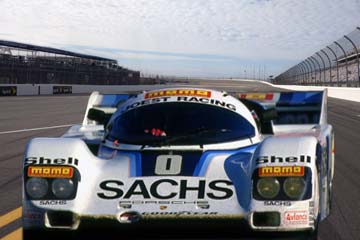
(52,202)
(208,101)
(282,171)
(277,203)
(8,91)
(178,92)
(51,161)
(163,207)
(50,172)
(141,202)
(290,159)
(62,89)
(181,213)
(312,211)
(204,100)
(296,217)
(113,189)
(257,96)
(147,102)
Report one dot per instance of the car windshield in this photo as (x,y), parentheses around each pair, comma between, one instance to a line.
(179,124)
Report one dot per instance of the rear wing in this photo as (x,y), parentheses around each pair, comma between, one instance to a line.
(293,108)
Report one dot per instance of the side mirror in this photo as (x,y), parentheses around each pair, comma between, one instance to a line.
(98,115)
(269,114)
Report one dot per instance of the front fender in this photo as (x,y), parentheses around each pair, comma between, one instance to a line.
(282,157)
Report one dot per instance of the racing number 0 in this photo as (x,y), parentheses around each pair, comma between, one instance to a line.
(168,165)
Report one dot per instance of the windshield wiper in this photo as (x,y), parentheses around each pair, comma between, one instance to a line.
(190,134)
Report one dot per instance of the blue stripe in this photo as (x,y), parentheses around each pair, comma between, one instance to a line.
(296,98)
(238,170)
(203,164)
(208,156)
(135,164)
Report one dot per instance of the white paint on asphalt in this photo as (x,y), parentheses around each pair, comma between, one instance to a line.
(36,129)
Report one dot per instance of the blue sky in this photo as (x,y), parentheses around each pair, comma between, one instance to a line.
(211,38)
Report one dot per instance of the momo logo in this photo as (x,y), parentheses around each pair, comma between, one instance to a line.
(296,217)
(50,172)
(166,189)
(290,159)
(178,92)
(281,171)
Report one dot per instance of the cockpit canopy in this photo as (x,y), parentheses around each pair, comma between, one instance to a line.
(179,123)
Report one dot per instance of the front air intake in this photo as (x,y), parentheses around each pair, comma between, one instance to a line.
(61,220)
(266,219)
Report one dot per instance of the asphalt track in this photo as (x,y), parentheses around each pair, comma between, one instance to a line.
(22,118)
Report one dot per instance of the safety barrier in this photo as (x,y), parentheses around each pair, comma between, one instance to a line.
(54,89)
(337,64)
(352,94)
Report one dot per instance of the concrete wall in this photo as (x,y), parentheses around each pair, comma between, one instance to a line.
(47,89)
(352,94)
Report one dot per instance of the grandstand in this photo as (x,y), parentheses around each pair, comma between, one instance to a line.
(25,63)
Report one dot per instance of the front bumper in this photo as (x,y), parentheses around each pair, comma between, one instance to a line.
(128,220)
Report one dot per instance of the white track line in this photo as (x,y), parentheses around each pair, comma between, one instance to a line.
(36,129)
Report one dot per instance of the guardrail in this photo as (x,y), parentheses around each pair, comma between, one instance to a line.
(335,65)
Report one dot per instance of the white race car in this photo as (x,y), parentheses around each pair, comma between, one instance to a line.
(189,157)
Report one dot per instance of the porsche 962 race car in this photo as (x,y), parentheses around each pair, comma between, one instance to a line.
(186,155)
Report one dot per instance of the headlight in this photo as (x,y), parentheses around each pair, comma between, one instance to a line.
(37,187)
(62,187)
(294,187)
(268,187)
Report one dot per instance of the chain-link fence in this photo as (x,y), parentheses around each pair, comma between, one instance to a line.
(335,65)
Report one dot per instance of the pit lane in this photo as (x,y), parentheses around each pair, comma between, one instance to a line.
(22,118)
